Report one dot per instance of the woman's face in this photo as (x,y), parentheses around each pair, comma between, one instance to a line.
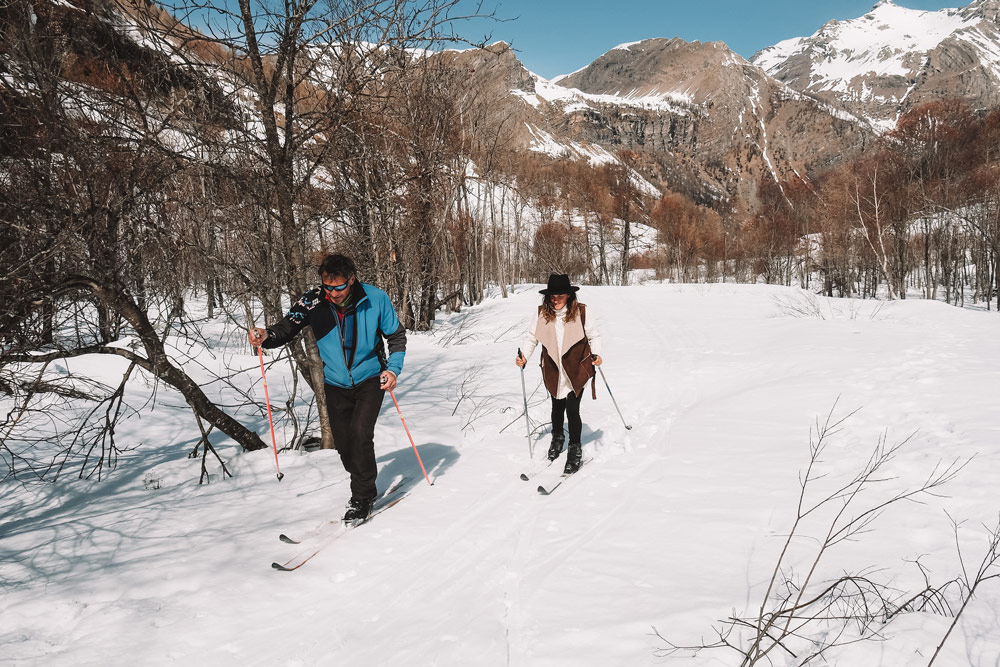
(559,300)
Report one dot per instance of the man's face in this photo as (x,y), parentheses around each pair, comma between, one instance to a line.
(330,288)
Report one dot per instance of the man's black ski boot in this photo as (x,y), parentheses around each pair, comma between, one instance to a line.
(555,449)
(574,457)
(358,510)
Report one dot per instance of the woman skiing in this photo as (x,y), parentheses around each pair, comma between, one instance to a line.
(571,347)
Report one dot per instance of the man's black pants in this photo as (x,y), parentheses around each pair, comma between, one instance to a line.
(353,412)
(569,406)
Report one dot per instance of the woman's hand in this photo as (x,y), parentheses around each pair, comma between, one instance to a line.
(520,361)
(597,359)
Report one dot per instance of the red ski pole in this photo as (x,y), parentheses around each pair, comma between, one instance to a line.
(267,399)
(411,438)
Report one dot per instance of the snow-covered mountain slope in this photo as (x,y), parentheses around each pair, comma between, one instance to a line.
(700,119)
(528,103)
(671,525)
(894,58)
(706,108)
(704,122)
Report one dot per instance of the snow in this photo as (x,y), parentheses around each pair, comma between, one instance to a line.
(671,525)
(551,92)
(594,154)
(672,101)
(756,108)
(67,5)
(881,42)
(544,142)
(574,99)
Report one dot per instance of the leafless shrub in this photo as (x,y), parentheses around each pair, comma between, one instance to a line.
(801,303)
(970,581)
(802,615)
(806,304)
(469,391)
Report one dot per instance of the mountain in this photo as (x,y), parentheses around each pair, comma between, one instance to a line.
(894,58)
(696,118)
(701,119)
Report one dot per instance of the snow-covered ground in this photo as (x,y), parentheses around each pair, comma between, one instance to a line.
(670,526)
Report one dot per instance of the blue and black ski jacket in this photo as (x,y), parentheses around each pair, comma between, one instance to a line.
(352,351)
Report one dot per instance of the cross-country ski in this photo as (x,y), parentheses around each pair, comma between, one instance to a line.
(394,492)
(331,532)
(552,482)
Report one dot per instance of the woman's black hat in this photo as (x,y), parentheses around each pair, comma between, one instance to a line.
(558,284)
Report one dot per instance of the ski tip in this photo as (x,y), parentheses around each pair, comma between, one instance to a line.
(524,478)
(280,567)
(286,539)
(541,490)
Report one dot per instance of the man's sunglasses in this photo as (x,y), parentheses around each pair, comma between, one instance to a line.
(336,288)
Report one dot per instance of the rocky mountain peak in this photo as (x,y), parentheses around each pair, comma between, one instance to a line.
(696,117)
(894,58)
(984,10)
(496,66)
(659,69)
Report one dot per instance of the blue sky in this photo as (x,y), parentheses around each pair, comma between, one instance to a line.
(559,36)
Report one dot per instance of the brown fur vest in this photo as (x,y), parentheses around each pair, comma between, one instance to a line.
(576,358)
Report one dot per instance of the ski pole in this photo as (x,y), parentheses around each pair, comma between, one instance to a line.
(627,427)
(270,420)
(527,422)
(405,428)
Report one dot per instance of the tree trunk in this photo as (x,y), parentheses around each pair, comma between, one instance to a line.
(159,364)
(626,248)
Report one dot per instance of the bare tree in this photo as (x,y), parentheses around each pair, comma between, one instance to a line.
(301,75)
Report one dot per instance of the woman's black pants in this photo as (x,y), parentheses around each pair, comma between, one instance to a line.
(570,407)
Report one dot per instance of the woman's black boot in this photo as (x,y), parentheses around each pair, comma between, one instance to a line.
(574,457)
(555,449)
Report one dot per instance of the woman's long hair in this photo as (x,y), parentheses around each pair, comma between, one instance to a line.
(549,313)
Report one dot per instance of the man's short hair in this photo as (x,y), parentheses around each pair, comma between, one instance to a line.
(338,265)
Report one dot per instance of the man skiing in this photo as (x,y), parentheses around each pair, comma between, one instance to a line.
(349,319)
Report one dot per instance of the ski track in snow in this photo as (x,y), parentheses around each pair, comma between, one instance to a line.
(672,525)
